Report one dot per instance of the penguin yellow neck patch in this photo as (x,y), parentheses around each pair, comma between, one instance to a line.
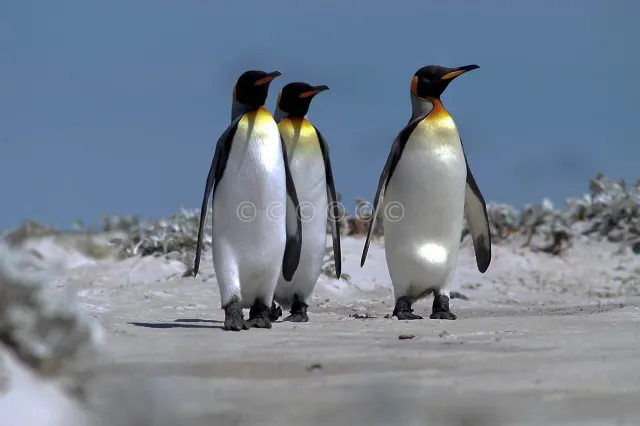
(439,115)
(297,131)
(259,117)
(299,126)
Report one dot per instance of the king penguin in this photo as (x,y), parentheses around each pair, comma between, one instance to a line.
(427,189)
(308,154)
(248,178)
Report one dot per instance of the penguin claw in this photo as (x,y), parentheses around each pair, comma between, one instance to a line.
(233,318)
(404,315)
(259,322)
(275,312)
(403,309)
(298,310)
(234,324)
(259,315)
(297,317)
(440,308)
(447,315)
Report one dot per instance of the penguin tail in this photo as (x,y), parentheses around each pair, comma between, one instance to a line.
(291,258)
(457,295)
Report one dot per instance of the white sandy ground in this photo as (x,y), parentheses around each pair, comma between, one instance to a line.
(542,341)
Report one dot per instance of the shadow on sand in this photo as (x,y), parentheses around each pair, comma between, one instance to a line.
(180,323)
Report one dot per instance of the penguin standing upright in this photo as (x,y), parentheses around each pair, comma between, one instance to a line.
(427,188)
(249,175)
(308,155)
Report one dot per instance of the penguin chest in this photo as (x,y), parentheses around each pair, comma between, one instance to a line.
(307,169)
(305,159)
(428,186)
(256,146)
(255,168)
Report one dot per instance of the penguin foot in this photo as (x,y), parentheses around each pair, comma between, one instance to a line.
(259,315)
(404,315)
(298,317)
(403,309)
(443,315)
(233,318)
(298,311)
(275,312)
(440,308)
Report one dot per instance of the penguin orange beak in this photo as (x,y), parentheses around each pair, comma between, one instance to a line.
(268,79)
(458,71)
(315,91)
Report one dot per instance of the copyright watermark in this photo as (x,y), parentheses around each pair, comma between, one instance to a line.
(393,211)
(246,211)
(307,211)
(276,211)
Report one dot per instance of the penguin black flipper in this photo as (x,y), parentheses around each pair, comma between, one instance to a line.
(475,209)
(333,203)
(218,164)
(293,248)
(392,161)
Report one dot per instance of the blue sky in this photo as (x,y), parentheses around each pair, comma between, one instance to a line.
(116,106)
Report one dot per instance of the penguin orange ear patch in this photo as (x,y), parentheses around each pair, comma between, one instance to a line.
(235,86)
(278,101)
(414,85)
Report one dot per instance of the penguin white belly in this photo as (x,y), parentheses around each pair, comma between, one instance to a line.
(249,229)
(423,213)
(307,170)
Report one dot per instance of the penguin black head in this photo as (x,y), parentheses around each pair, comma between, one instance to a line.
(430,82)
(252,88)
(294,98)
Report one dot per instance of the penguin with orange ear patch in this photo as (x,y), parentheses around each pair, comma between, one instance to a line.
(308,154)
(427,188)
(249,175)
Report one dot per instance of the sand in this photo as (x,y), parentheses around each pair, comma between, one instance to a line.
(541,340)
